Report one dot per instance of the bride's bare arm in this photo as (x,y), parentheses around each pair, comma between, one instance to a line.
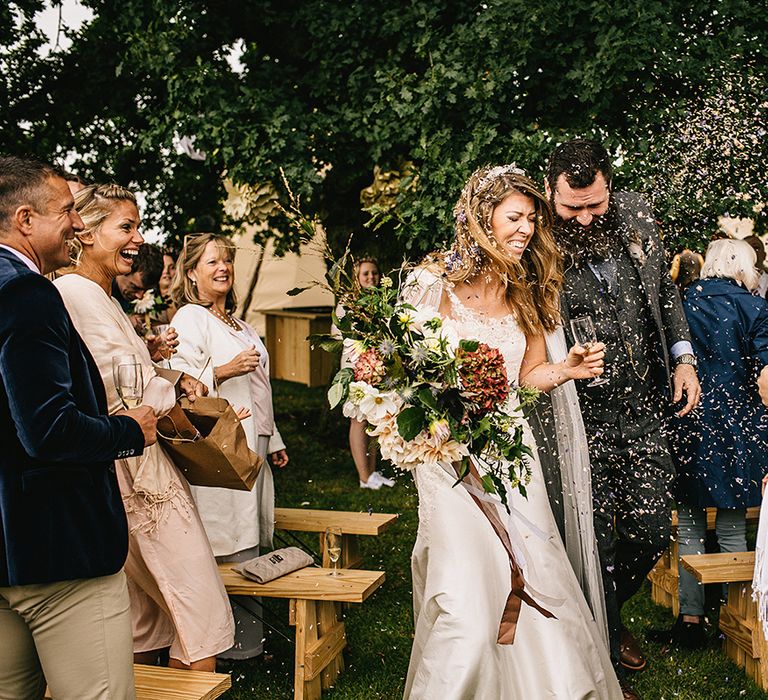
(581,363)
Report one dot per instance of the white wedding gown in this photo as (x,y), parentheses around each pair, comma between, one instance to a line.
(461,580)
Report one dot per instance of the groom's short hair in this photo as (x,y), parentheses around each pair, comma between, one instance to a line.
(579,160)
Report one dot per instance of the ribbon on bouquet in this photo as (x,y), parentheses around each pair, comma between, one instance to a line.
(518,593)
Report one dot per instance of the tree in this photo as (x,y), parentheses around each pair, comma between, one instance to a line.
(424,90)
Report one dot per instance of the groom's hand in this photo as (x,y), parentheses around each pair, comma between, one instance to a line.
(685,380)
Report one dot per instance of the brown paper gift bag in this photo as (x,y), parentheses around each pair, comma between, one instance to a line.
(207,443)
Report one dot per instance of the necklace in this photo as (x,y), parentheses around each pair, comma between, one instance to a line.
(224,318)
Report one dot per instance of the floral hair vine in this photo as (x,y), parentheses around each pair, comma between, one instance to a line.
(499,171)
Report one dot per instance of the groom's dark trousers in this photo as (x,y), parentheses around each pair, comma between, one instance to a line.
(631,474)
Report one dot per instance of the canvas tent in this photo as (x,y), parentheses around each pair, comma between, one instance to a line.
(262,279)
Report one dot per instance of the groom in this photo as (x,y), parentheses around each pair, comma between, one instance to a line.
(615,272)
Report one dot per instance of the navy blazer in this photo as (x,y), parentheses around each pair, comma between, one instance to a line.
(61,514)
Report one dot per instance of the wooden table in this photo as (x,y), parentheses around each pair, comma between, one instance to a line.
(313,594)
(351,524)
(743,641)
(290,354)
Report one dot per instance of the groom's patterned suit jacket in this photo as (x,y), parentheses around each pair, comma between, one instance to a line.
(638,313)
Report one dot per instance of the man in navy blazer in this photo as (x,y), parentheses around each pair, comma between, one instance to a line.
(64,612)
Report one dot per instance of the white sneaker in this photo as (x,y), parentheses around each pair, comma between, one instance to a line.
(373,482)
(384,480)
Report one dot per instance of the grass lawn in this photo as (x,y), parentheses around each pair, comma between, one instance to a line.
(321,475)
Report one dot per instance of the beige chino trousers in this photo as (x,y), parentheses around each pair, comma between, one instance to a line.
(76,635)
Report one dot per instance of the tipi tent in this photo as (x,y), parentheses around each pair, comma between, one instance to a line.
(262,279)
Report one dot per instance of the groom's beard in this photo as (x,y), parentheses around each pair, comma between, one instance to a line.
(585,243)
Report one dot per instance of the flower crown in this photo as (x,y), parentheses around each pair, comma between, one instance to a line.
(499,171)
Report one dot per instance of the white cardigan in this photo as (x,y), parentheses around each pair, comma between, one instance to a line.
(234,520)
(203,337)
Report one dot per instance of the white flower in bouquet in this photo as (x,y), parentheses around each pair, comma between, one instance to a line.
(352,410)
(430,343)
(146,303)
(351,407)
(376,405)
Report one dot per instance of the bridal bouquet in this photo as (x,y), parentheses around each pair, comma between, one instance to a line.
(427,396)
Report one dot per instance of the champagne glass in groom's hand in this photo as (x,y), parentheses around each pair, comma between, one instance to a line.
(584,334)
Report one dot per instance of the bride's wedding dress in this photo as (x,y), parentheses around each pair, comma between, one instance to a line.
(461,578)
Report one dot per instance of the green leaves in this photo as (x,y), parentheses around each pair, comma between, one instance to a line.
(340,387)
(328,343)
(411,422)
(296,291)
(468,345)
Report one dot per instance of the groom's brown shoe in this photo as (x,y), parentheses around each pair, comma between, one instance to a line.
(628,692)
(631,657)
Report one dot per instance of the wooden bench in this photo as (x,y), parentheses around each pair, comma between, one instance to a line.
(664,575)
(743,634)
(352,525)
(160,683)
(313,595)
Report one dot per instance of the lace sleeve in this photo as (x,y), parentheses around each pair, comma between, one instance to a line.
(422,289)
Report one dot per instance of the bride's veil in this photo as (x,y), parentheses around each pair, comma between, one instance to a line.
(576,479)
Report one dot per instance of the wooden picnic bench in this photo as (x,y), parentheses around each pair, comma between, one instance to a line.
(313,594)
(664,576)
(160,683)
(352,525)
(743,641)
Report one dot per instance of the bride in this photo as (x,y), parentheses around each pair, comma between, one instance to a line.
(499,284)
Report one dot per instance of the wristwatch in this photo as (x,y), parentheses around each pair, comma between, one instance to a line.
(686,359)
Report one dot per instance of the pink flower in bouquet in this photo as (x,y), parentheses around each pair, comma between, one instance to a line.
(483,378)
(370,368)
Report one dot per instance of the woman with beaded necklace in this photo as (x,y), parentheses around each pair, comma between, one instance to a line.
(229,357)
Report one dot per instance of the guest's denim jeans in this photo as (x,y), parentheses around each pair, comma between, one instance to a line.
(730,528)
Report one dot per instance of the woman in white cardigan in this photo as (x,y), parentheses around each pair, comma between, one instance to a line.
(228,356)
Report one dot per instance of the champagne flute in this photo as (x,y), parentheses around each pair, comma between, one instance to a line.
(165,352)
(118,360)
(130,385)
(584,334)
(333,547)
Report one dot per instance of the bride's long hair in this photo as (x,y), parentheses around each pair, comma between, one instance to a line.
(533,283)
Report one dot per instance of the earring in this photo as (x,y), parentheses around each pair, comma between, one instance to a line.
(194,283)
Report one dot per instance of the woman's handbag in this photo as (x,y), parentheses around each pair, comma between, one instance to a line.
(207,443)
